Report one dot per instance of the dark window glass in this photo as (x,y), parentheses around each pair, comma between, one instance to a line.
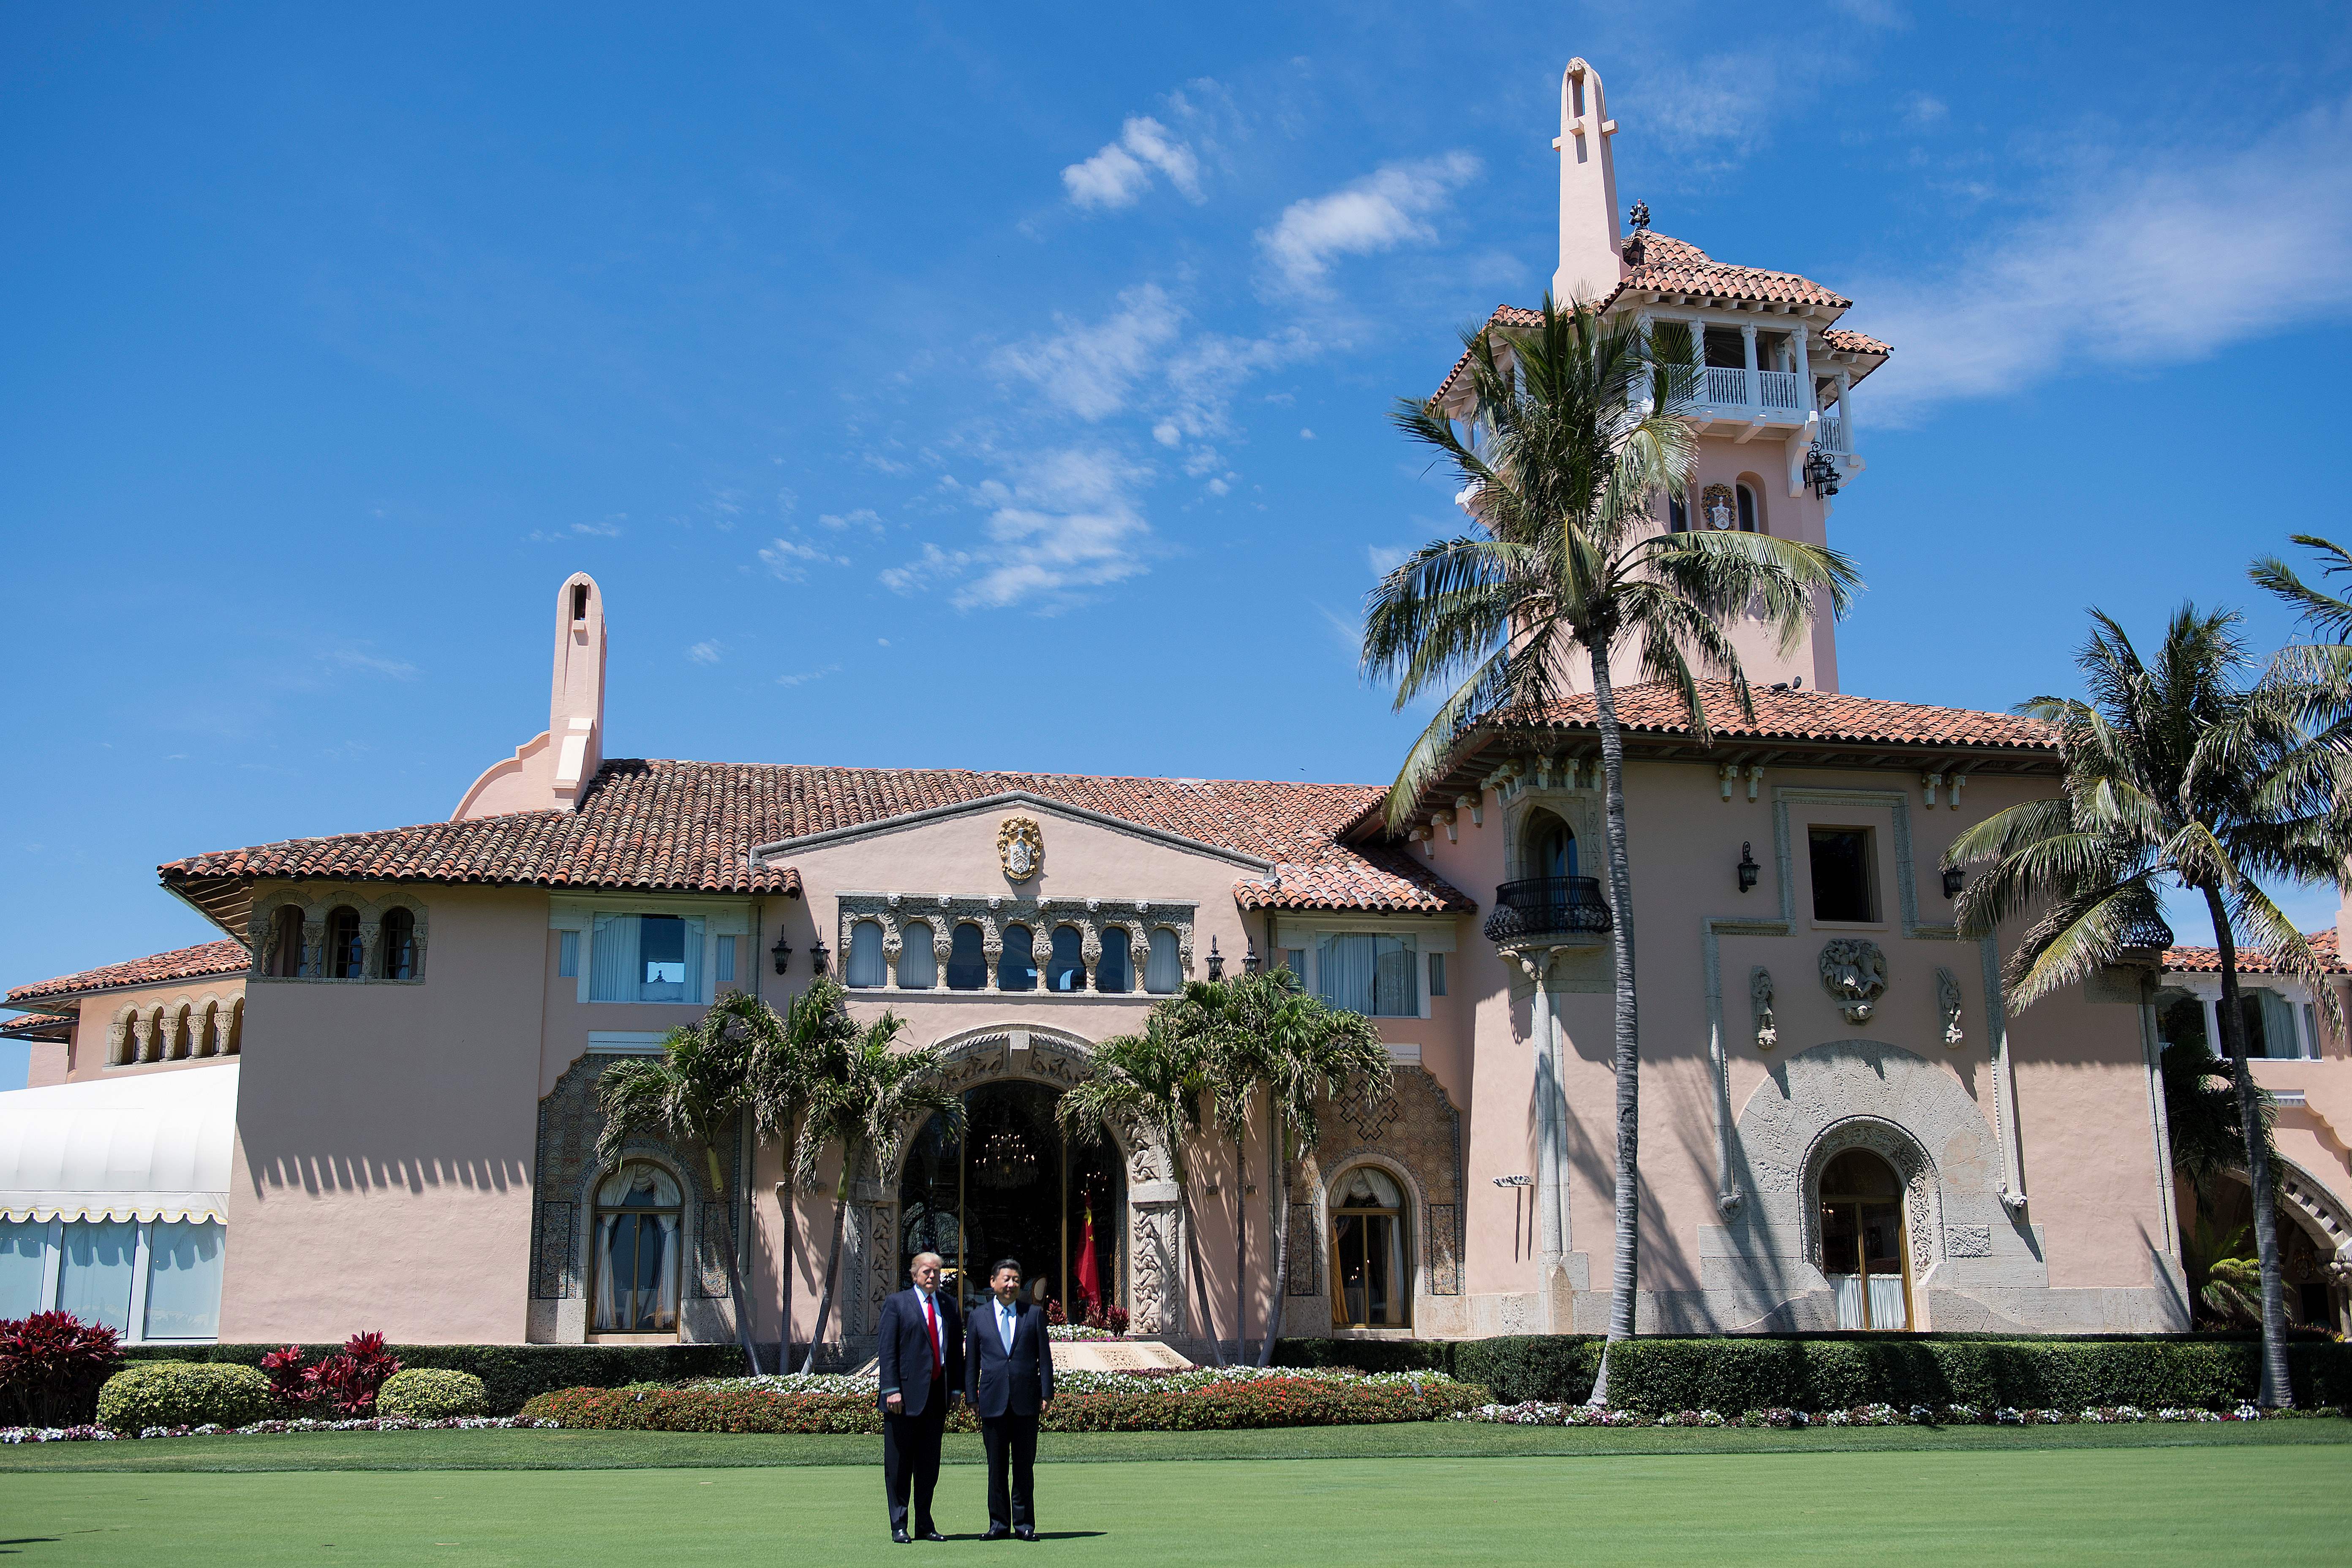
(967,964)
(1017,970)
(1726,349)
(1066,968)
(1841,879)
(1678,515)
(2180,1020)
(400,946)
(1112,969)
(1437,974)
(346,959)
(1747,509)
(286,943)
(661,954)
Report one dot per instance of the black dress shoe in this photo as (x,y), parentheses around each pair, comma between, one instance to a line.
(1024,1533)
(996,1532)
(930,1535)
(900,1537)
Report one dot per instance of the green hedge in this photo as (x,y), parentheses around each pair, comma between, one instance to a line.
(432,1393)
(183,1393)
(1838,1372)
(511,1375)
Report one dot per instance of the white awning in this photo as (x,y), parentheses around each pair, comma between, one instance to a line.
(148,1145)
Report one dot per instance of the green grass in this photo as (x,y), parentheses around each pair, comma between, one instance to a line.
(535,1450)
(2028,1500)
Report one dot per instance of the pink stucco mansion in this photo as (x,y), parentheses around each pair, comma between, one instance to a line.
(370,1103)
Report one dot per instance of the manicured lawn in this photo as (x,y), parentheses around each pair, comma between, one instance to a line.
(2037,1497)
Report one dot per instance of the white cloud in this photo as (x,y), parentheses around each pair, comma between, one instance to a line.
(610,528)
(863,517)
(1071,523)
(789,559)
(1380,212)
(1384,559)
(801,677)
(1118,174)
(1924,110)
(1307,434)
(353,658)
(704,653)
(1714,111)
(2159,265)
(1090,368)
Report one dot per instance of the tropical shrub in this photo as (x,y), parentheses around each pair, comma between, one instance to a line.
(341,1383)
(425,1394)
(52,1365)
(511,1374)
(183,1393)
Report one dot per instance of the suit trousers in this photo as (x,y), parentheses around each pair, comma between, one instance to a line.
(910,1458)
(1012,1443)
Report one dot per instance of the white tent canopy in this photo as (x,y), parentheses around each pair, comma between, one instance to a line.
(152,1145)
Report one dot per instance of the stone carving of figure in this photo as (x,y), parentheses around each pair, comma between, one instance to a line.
(1855,971)
(1947,1001)
(1759,997)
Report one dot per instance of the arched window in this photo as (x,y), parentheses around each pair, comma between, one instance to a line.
(919,966)
(1751,517)
(346,957)
(637,1234)
(204,1024)
(126,1050)
(1371,1278)
(1017,969)
(1112,971)
(236,1041)
(866,966)
(1677,514)
(285,961)
(967,960)
(398,943)
(1551,846)
(1864,1250)
(1162,976)
(158,1034)
(1065,968)
(182,1037)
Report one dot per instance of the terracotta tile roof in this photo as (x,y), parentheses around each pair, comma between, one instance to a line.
(690,827)
(1369,877)
(2207,960)
(1656,707)
(1672,266)
(39,1026)
(180,963)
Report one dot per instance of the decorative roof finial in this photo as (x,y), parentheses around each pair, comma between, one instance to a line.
(1640,215)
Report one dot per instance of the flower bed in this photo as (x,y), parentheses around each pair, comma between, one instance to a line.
(1536,1413)
(1200,1399)
(14,1435)
(1068,1333)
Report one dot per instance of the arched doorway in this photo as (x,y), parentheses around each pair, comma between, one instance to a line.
(1013,1186)
(1866,1249)
(1550,847)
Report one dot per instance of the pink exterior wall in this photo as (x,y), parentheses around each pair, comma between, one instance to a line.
(92,1028)
(384,1141)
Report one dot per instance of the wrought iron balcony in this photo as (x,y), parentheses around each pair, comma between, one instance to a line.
(1538,909)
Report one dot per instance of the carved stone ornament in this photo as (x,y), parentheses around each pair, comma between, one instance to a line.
(1948,1002)
(1021,846)
(1855,971)
(1719,508)
(1759,995)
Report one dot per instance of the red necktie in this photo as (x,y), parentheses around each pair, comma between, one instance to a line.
(931,1317)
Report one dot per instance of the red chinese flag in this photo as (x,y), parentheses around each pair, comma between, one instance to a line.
(1089,1277)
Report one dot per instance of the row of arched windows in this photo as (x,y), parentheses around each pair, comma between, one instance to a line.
(1018,965)
(177,1031)
(343,953)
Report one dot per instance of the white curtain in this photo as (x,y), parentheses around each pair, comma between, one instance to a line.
(1400,1282)
(919,965)
(2278,1037)
(866,966)
(1885,1302)
(612,959)
(726,955)
(1396,993)
(22,1243)
(695,989)
(94,1282)
(1346,967)
(183,1279)
(665,1272)
(1161,974)
(608,1308)
(1848,1288)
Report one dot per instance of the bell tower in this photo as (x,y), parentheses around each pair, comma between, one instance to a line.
(548,771)
(1591,242)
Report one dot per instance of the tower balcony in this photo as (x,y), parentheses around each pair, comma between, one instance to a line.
(1552,911)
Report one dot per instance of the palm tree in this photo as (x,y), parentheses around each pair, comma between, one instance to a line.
(1579,424)
(693,1094)
(2193,772)
(1158,1080)
(862,1093)
(787,1057)
(1262,1039)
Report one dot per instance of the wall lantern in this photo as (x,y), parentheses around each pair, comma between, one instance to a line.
(783,952)
(1954,880)
(818,954)
(1250,959)
(1216,963)
(1821,473)
(1748,867)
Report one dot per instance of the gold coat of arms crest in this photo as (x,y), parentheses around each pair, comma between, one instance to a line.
(1020,847)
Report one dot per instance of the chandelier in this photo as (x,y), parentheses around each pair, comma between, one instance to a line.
(1005,1161)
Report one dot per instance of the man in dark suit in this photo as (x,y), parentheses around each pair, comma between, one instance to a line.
(1009,1378)
(920,1340)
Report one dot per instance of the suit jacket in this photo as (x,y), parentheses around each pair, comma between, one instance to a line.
(999,1383)
(904,1341)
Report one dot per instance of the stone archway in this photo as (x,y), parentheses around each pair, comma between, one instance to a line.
(1057,1059)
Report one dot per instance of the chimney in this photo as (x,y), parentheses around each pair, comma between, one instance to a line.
(548,771)
(1591,243)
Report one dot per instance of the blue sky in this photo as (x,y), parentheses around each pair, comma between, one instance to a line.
(1005,386)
